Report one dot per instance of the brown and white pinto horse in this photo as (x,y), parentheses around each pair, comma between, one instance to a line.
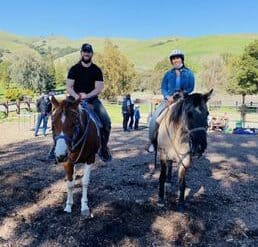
(76,140)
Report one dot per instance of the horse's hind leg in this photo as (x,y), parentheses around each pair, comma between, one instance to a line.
(85,211)
(181,176)
(69,169)
(162,179)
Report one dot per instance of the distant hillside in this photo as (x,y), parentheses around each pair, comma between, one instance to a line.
(143,53)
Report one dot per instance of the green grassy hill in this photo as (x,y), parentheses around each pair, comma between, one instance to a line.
(146,53)
(143,53)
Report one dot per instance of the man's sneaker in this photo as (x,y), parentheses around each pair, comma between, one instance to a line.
(105,154)
(150,148)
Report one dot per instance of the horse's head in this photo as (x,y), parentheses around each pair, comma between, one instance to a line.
(193,113)
(65,119)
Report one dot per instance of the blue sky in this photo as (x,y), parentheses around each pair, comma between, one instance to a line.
(130,19)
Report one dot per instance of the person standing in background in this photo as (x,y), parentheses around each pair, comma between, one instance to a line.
(44,108)
(126,111)
(131,116)
(137,117)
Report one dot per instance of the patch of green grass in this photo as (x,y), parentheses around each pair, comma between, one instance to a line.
(115,112)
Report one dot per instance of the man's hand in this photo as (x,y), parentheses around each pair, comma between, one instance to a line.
(83,95)
(76,97)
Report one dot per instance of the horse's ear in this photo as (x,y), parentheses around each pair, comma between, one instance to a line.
(207,96)
(72,101)
(54,101)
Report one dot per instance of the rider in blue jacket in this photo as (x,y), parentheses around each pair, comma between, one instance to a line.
(178,79)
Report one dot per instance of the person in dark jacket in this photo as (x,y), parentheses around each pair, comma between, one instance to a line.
(44,108)
(126,111)
(131,116)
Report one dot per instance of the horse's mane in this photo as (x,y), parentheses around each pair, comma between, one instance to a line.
(194,99)
(177,111)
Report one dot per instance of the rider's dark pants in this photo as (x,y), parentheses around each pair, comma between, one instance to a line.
(104,118)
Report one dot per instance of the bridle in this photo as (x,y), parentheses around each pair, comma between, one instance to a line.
(188,133)
(70,140)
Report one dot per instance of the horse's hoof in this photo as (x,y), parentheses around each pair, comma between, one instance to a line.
(85,213)
(161,203)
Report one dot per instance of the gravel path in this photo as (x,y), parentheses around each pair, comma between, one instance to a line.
(221,201)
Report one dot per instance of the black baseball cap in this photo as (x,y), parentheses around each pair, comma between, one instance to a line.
(87,48)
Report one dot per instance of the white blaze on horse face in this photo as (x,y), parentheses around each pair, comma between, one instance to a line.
(63,118)
(61,147)
(198,109)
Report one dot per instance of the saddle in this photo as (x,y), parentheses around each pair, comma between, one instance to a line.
(88,109)
(176,97)
(163,114)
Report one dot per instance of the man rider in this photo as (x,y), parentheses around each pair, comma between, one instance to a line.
(85,82)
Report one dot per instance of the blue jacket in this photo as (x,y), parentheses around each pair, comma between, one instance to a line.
(186,82)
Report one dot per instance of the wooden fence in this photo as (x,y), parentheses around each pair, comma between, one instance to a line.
(11,106)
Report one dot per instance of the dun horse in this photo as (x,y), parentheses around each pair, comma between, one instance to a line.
(182,135)
(76,138)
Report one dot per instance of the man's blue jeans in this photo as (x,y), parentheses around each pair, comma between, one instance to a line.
(41,118)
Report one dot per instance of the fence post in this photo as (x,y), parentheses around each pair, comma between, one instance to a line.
(6,108)
(18,109)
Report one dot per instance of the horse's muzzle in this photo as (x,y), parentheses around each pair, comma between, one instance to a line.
(61,158)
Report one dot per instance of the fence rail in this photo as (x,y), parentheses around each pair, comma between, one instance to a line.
(17,106)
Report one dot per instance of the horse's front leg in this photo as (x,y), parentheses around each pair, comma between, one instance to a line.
(85,211)
(168,181)
(69,169)
(181,176)
(162,179)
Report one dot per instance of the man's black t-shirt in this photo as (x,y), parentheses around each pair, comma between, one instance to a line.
(85,77)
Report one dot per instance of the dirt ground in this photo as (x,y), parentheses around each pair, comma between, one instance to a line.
(221,198)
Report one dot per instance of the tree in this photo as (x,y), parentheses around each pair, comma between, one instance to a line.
(244,74)
(32,72)
(214,73)
(60,74)
(48,72)
(149,81)
(4,74)
(118,71)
